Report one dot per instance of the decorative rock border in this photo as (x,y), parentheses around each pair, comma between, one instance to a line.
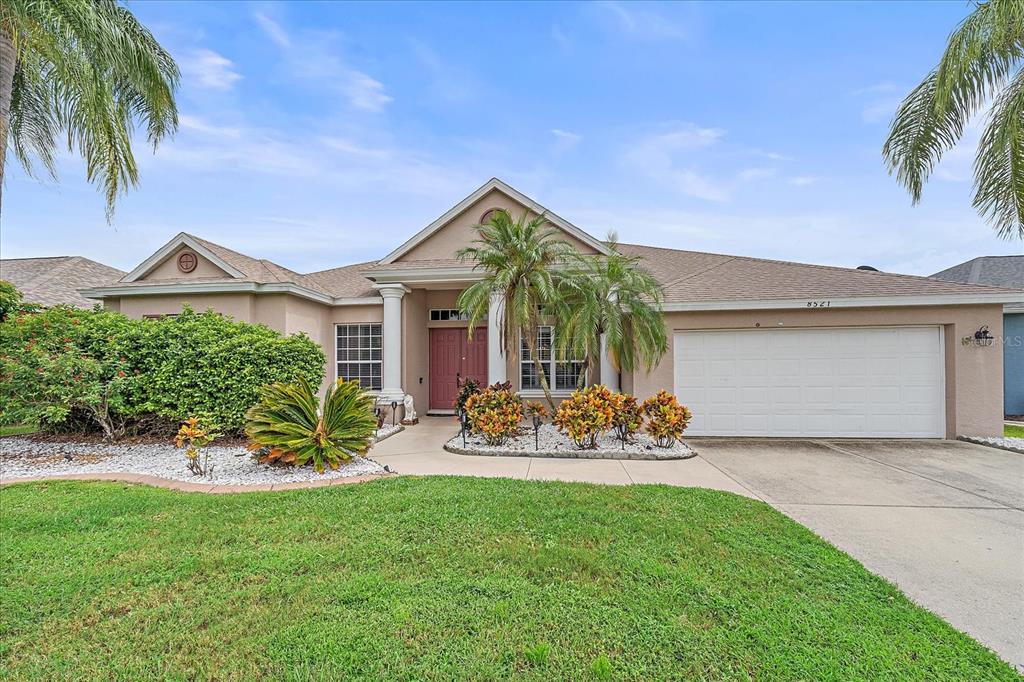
(1009,444)
(607,447)
(196,487)
(387,431)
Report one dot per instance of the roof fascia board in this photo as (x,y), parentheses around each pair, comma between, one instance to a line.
(100,293)
(181,239)
(479,193)
(866,302)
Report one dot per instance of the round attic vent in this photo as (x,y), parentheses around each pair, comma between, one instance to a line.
(485,219)
(867,267)
(187,261)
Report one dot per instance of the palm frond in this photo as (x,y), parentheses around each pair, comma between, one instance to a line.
(999,165)
(89,72)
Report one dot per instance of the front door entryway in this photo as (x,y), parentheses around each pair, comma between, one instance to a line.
(453,359)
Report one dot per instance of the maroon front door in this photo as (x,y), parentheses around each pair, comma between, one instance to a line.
(453,359)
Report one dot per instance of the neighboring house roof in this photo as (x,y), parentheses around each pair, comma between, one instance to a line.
(1000,271)
(56,280)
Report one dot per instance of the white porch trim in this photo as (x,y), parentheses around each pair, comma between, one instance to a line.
(391,371)
(496,370)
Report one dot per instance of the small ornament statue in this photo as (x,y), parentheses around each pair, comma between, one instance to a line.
(410,412)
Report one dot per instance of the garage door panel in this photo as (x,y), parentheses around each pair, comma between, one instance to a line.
(884,382)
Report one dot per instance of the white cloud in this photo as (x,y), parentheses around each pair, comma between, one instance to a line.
(877,88)
(200,125)
(880,101)
(561,40)
(364,92)
(273,29)
(662,157)
(351,148)
(448,83)
(774,156)
(802,180)
(565,139)
(314,57)
(749,174)
(209,69)
(642,24)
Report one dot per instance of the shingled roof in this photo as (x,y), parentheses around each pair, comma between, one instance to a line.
(56,280)
(689,277)
(1000,271)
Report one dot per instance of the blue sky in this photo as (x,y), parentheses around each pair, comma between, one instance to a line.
(317,135)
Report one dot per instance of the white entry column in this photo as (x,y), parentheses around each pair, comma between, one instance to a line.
(495,353)
(391,372)
(609,377)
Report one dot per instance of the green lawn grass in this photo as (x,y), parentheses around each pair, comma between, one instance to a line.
(447,578)
(1013,431)
(18,429)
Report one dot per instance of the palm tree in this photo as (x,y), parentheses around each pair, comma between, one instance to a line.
(86,71)
(613,295)
(981,64)
(519,260)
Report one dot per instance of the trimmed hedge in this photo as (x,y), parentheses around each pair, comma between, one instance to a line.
(113,373)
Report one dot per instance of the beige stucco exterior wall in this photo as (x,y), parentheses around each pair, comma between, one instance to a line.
(168,268)
(236,306)
(974,375)
(459,231)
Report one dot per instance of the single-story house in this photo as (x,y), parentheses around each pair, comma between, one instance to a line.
(757,347)
(56,280)
(1001,271)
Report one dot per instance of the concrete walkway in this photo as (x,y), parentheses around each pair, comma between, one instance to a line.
(943,520)
(417,450)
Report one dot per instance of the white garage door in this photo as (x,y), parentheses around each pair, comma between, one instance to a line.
(877,382)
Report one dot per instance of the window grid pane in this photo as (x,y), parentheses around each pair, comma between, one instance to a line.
(359,354)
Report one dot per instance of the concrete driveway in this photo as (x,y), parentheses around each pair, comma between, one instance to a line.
(943,520)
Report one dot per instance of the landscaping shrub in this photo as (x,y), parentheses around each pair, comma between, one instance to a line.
(194,435)
(96,367)
(288,423)
(494,412)
(535,409)
(468,388)
(627,418)
(666,418)
(586,414)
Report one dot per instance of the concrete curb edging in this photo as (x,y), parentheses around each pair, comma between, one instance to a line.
(568,454)
(195,487)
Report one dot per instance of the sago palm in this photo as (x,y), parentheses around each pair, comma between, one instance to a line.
(613,295)
(87,72)
(518,258)
(980,66)
(287,420)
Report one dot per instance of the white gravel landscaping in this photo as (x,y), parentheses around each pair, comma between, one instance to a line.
(552,443)
(1011,444)
(27,458)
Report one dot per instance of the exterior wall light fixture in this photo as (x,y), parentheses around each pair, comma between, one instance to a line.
(982,337)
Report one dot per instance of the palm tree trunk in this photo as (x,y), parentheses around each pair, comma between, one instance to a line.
(8,59)
(531,345)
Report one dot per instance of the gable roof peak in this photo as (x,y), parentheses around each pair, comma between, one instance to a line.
(494,184)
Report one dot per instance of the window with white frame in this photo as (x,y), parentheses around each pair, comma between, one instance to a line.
(566,372)
(359,353)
